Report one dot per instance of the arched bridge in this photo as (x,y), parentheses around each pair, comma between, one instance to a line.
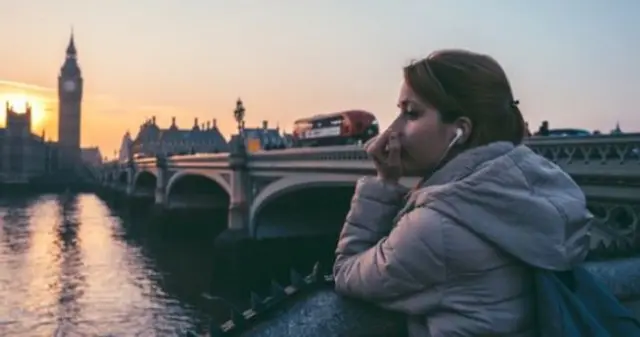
(182,189)
(307,191)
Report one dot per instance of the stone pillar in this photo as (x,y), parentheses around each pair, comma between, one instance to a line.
(161,182)
(131,173)
(239,201)
(233,246)
(113,185)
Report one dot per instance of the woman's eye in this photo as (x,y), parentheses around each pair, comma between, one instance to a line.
(410,113)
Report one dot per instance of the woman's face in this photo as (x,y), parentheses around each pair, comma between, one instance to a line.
(423,136)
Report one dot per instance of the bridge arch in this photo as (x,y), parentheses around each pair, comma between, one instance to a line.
(217,178)
(191,183)
(142,174)
(144,180)
(314,192)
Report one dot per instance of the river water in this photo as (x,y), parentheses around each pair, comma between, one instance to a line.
(80,267)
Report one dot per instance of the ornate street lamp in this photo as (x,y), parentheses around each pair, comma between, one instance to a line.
(239,116)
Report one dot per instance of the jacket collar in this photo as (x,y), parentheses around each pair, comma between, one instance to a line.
(466,162)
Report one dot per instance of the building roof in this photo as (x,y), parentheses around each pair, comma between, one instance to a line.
(268,137)
(90,154)
(150,132)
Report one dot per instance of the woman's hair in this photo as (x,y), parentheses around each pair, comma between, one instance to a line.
(460,83)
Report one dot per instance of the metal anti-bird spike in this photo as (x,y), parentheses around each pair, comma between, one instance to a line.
(257,303)
(296,279)
(277,291)
(237,318)
(316,273)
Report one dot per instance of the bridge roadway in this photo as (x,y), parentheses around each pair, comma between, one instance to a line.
(306,191)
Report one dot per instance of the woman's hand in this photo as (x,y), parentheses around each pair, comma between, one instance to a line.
(385,152)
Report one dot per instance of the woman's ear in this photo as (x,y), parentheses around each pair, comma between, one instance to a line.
(465,124)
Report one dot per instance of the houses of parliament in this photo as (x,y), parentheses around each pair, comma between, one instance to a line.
(26,157)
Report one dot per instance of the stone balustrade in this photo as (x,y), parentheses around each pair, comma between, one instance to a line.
(608,155)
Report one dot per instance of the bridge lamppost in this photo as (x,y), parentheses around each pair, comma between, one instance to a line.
(234,240)
(238,113)
(239,148)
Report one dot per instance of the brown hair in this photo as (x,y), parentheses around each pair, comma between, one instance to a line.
(461,83)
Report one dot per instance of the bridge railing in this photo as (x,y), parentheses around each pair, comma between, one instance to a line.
(600,155)
(608,156)
(192,160)
(611,156)
(599,148)
(621,148)
(200,157)
(346,152)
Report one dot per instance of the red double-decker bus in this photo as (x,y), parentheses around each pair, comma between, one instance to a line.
(340,128)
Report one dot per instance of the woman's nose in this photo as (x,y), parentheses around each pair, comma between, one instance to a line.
(396,126)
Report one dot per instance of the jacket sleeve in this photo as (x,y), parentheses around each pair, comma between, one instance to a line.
(373,207)
(391,271)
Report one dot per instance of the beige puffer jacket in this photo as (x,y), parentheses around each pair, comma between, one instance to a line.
(456,257)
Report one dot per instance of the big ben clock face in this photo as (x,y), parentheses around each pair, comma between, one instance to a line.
(69,86)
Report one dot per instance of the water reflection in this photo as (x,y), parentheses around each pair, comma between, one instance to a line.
(71,280)
(65,272)
(75,266)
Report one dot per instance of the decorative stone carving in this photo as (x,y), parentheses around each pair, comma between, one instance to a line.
(615,231)
(226,177)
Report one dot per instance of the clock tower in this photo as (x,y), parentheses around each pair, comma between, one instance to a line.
(69,109)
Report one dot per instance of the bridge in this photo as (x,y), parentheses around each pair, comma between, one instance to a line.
(306,191)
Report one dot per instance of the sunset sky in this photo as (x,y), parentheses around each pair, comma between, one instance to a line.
(573,62)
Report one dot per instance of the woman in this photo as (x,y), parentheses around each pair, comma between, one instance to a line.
(456,254)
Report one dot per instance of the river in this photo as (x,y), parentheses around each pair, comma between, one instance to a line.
(80,266)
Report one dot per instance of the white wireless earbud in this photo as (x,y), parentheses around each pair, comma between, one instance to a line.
(459,134)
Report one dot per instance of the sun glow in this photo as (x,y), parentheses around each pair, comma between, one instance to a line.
(19,104)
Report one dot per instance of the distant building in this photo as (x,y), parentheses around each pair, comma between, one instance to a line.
(91,156)
(543,130)
(125,148)
(265,138)
(617,130)
(151,140)
(23,155)
(288,139)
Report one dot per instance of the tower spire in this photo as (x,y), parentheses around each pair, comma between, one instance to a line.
(71,48)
